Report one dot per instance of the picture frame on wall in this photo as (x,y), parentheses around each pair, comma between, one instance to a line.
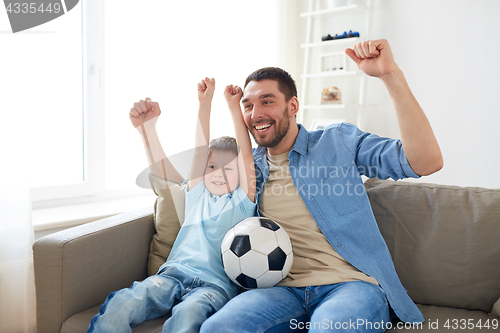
(321,124)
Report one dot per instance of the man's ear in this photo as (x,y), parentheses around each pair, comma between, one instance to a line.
(293,106)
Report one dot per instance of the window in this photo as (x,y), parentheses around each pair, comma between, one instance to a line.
(43,81)
(74,79)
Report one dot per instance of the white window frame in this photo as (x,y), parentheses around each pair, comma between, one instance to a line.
(93,115)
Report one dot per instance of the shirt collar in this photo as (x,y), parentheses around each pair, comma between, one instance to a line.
(301,142)
(217,197)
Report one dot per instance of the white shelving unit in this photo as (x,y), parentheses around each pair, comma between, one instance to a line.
(331,10)
(328,74)
(352,40)
(321,22)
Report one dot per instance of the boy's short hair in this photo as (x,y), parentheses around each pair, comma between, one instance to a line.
(224,144)
(286,84)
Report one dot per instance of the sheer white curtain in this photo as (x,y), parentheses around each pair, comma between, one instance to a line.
(17,289)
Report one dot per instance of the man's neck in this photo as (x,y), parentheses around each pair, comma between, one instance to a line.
(287,142)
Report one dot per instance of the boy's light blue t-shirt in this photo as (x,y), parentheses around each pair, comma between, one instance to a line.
(196,250)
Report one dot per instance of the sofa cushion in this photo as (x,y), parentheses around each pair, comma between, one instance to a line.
(444,319)
(496,309)
(80,322)
(168,216)
(443,240)
(436,318)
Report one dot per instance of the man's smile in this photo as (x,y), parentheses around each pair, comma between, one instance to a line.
(262,128)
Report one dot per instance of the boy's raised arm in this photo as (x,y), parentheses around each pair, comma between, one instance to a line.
(143,116)
(202,133)
(246,166)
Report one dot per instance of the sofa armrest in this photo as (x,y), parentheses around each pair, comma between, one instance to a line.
(77,268)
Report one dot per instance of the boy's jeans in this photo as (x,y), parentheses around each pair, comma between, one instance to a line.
(355,306)
(189,299)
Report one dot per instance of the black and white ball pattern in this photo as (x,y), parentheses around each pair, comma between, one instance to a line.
(257,253)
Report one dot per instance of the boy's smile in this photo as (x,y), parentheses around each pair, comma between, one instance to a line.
(221,174)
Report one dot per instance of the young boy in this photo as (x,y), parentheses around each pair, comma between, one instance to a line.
(192,284)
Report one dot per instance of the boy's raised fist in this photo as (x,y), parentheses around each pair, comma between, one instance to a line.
(233,94)
(206,89)
(143,111)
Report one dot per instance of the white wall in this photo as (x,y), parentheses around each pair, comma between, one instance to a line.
(448,50)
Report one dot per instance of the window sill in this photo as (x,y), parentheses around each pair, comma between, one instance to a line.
(73,215)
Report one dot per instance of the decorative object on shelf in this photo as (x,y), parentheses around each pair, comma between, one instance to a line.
(320,124)
(331,95)
(328,37)
(350,34)
(333,62)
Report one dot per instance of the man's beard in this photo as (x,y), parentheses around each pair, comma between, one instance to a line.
(279,133)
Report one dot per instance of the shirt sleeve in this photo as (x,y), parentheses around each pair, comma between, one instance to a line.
(193,195)
(241,198)
(376,156)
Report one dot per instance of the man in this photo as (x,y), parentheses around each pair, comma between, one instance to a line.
(342,277)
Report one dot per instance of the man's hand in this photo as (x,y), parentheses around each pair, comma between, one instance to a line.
(233,95)
(206,90)
(143,111)
(374,58)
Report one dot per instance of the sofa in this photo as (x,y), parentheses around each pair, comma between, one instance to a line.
(444,240)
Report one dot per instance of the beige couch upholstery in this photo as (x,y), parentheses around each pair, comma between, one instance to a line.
(445,242)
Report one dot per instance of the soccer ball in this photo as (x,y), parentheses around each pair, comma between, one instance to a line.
(257,253)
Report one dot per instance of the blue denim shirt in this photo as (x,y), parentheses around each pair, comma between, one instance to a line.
(326,168)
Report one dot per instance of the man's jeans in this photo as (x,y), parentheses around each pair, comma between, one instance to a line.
(356,306)
(189,299)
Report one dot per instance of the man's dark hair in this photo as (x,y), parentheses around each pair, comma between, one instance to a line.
(286,84)
(224,144)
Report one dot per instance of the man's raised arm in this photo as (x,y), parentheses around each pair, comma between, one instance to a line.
(419,143)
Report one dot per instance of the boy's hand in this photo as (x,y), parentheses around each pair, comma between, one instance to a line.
(233,95)
(143,111)
(206,90)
